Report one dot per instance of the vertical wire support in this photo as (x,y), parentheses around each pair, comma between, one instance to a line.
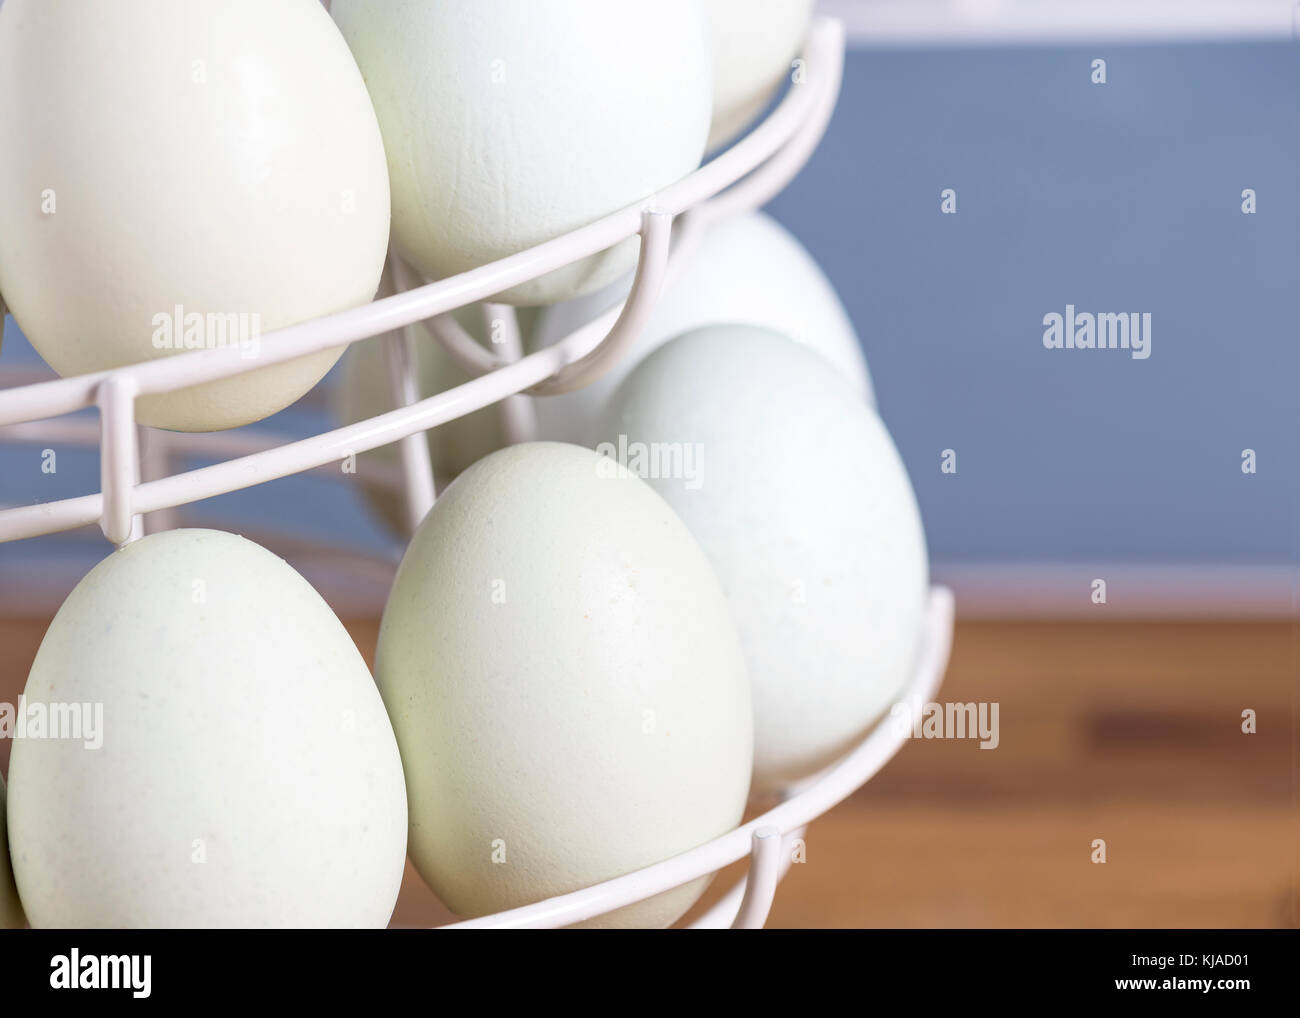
(724,911)
(764,875)
(119,459)
(403,390)
(518,414)
(156,463)
(444,329)
(656,236)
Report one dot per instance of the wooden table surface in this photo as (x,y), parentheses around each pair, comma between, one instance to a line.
(1128,732)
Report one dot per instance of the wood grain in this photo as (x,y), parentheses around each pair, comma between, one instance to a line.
(1128,732)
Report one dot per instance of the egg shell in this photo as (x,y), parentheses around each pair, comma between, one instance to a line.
(754,45)
(511,122)
(566,685)
(220,156)
(11,909)
(746,269)
(248,775)
(362,393)
(804,507)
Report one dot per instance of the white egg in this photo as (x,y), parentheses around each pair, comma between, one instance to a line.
(11,909)
(510,122)
(246,773)
(566,685)
(754,45)
(194,173)
(798,496)
(746,269)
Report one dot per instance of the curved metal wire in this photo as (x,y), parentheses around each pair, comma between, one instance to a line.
(794,125)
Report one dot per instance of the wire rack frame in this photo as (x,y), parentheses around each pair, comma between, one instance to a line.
(767,838)
(744,177)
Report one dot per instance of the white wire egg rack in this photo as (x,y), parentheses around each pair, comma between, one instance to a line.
(742,178)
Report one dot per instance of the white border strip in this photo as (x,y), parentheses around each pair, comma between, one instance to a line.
(884,23)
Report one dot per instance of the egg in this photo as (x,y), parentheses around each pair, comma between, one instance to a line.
(801,502)
(746,269)
(566,684)
(11,909)
(754,45)
(511,122)
(195,174)
(241,772)
(363,393)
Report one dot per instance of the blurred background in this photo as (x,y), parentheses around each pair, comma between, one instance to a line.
(1121,721)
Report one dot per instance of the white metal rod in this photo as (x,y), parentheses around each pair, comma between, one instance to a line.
(724,911)
(403,391)
(552,364)
(751,192)
(48,399)
(823,792)
(83,431)
(463,348)
(689,230)
(155,462)
(119,459)
(687,233)
(773,176)
(760,886)
(295,457)
(656,234)
(769,155)
(518,413)
(195,367)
